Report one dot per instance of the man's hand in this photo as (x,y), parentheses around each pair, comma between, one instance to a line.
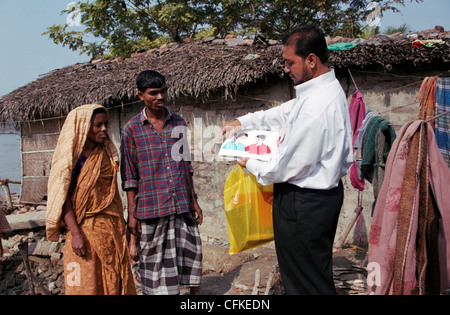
(134,225)
(197,212)
(230,129)
(242,162)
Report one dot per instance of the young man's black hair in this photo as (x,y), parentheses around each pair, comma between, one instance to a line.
(150,79)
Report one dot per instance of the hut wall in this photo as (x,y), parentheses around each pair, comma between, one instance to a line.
(38,142)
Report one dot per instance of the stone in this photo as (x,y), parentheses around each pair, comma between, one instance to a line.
(44,248)
(25,221)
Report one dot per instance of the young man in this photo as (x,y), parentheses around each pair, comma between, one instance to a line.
(162,205)
(314,153)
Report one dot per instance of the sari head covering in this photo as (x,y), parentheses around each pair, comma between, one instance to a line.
(68,150)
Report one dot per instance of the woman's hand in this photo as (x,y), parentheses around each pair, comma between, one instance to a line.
(78,244)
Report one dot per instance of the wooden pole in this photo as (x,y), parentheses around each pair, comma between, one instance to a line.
(338,246)
(4,183)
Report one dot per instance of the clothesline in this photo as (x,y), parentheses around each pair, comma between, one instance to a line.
(438,116)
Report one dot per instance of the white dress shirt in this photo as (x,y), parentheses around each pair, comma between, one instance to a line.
(315,150)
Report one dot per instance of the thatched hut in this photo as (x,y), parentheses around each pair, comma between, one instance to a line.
(210,83)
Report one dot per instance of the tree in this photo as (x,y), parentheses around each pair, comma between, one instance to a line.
(121,27)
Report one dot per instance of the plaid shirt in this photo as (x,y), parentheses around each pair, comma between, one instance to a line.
(147,165)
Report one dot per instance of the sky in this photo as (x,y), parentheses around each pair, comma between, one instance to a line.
(25,54)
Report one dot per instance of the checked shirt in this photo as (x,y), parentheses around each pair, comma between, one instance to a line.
(151,164)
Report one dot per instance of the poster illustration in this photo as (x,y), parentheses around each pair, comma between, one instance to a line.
(256,144)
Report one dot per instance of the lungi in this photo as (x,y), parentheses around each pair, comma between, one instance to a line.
(170,254)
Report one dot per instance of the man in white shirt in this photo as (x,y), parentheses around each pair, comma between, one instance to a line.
(314,154)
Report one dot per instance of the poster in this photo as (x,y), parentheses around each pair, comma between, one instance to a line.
(253,144)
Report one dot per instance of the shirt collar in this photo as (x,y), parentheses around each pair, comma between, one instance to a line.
(312,84)
(144,118)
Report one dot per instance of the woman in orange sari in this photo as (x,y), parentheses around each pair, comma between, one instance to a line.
(83,196)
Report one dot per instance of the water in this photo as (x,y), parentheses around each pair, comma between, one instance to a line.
(10,161)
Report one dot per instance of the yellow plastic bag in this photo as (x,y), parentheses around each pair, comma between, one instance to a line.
(248,208)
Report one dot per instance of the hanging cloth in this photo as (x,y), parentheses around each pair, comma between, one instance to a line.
(426,97)
(371,146)
(410,230)
(442,124)
(357,111)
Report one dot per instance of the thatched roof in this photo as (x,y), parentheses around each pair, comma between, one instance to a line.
(193,69)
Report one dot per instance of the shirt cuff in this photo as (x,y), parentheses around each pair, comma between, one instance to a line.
(246,121)
(129,184)
(252,166)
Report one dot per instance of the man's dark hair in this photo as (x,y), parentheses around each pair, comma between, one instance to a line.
(308,39)
(150,79)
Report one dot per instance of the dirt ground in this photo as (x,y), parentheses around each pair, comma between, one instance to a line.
(255,272)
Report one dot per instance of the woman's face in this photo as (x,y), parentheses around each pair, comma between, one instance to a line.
(99,128)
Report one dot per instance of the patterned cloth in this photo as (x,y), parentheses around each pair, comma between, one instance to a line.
(105,269)
(170,254)
(426,97)
(409,248)
(442,124)
(154,165)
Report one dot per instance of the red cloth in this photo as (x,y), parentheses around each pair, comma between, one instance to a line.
(357,111)
(258,149)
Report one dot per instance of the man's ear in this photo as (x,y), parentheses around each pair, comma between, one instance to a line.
(311,60)
(141,95)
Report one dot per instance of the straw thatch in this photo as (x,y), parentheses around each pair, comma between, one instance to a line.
(195,69)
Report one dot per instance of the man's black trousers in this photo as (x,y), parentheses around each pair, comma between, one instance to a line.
(305,222)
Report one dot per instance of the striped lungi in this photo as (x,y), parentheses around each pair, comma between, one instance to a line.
(170,254)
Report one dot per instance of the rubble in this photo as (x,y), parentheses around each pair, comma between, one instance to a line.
(45,264)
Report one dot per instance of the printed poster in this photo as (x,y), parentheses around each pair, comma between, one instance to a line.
(253,144)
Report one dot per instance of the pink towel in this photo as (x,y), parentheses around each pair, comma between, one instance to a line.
(357,111)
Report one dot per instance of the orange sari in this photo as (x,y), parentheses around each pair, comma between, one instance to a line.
(105,269)
(97,205)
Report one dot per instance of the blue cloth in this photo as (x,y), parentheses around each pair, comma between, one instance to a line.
(232,146)
(442,124)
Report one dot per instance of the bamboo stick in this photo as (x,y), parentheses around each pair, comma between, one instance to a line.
(4,183)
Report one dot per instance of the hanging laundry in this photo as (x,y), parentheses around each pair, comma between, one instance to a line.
(410,231)
(442,124)
(357,111)
(378,137)
(429,43)
(426,97)
(342,46)
(369,115)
